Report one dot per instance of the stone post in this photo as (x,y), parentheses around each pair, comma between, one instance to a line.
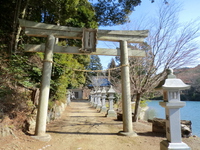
(126,94)
(95,99)
(40,130)
(98,99)
(92,98)
(111,112)
(68,97)
(103,97)
(172,105)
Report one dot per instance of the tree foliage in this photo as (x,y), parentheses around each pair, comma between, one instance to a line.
(114,12)
(20,70)
(94,64)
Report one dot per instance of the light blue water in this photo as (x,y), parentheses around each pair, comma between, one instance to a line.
(190,112)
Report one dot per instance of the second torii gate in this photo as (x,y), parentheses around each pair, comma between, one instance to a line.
(52,32)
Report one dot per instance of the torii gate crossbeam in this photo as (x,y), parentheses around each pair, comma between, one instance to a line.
(52,32)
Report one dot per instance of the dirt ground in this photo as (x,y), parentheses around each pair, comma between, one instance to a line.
(81,127)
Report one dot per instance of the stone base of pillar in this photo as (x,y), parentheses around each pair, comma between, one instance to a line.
(98,107)
(91,103)
(131,134)
(103,109)
(44,138)
(94,105)
(166,145)
(111,113)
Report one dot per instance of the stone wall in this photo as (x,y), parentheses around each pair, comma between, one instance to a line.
(52,114)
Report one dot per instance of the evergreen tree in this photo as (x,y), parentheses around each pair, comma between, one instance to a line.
(115,12)
(23,70)
(113,74)
(112,64)
(95,63)
(112,12)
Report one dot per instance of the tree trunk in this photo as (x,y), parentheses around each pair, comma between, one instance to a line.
(137,106)
(19,28)
(14,25)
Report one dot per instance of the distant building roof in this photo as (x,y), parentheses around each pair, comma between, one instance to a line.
(100,81)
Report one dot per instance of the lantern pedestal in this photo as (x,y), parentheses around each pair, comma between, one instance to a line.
(173,127)
(111,113)
(98,106)
(103,108)
(166,145)
(68,98)
(92,98)
(95,100)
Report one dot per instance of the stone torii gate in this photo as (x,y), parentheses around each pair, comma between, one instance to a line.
(89,37)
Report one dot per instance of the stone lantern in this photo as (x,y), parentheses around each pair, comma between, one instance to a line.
(92,97)
(98,99)
(172,104)
(68,97)
(111,112)
(95,99)
(103,96)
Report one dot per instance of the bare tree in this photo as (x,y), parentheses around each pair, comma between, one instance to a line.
(98,81)
(169,45)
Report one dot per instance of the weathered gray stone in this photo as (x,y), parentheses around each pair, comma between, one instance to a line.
(30,124)
(111,113)
(158,125)
(120,117)
(5,131)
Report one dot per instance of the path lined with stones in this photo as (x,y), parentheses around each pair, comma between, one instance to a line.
(83,127)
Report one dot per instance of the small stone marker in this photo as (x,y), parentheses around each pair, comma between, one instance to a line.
(92,98)
(111,112)
(103,96)
(98,99)
(95,99)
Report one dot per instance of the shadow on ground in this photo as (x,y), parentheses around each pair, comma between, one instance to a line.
(85,133)
(152,134)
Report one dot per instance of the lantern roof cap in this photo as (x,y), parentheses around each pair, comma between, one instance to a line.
(99,91)
(103,90)
(170,73)
(111,90)
(174,83)
(91,92)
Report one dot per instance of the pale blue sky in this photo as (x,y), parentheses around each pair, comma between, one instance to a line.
(190,10)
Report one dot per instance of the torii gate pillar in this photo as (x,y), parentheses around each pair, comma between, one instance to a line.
(40,130)
(126,96)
